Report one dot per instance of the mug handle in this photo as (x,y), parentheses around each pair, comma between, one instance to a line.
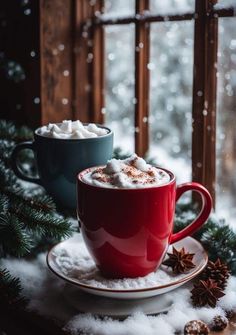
(203,215)
(16,168)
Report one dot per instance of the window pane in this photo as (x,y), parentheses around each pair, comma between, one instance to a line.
(171,6)
(119,7)
(225,3)
(226,121)
(119,95)
(171,67)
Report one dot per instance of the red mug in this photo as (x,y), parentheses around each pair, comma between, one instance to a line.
(128,231)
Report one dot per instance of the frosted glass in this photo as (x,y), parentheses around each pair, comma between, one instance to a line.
(119,87)
(226,121)
(171,74)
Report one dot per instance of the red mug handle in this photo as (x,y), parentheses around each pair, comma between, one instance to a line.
(203,215)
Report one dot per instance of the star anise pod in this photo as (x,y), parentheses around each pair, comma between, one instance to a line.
(206,292)
(180,261)
(217,271)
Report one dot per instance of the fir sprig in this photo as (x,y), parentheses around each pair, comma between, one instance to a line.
(29,221)
(44,224)
(216,236)
(37,201)
(10,132)
(28,217)
(14,239)
(10,291)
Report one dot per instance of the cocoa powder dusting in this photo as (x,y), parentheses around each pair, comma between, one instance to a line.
(135,175)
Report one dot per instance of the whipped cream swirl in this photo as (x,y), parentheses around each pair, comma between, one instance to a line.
(132,172)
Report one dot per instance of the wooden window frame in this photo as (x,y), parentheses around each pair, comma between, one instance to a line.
(83,36)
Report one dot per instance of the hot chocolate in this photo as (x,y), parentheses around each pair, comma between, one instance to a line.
(132,172)
(72,130)
(126,213)
(61,151)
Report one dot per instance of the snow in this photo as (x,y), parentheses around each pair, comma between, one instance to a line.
(170,123)
(123,7)
(225,4)
(41,287)
(45,293)
(180,313)
(80,266)
(138,324)
(169,7)
(170,120)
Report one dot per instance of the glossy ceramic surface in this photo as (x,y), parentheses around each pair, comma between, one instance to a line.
(127,231)
(60,160)
(190,244)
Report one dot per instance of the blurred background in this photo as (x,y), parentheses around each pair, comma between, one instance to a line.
(171,83)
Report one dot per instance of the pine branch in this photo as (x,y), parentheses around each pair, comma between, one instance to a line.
(18,196)
(220,242)
(119,154)
(44,224)
(6,148)
(14,239)
(8,131)
(7,177)
(4,203)
(28,216)
(216,236)
(10,291)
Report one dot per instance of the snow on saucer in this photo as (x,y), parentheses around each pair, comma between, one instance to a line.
(75,262)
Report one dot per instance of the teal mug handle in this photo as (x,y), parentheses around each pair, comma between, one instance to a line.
(15,166)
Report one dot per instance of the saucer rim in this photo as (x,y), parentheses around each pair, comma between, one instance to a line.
(153,288)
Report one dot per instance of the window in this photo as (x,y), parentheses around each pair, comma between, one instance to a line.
(226,121)
(160,73)
(161,67)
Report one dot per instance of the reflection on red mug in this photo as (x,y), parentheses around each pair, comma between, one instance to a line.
(128,231)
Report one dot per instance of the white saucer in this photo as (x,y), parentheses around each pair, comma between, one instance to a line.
(116,308)
(86,276)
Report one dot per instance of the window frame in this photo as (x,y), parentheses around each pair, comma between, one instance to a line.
(82,28)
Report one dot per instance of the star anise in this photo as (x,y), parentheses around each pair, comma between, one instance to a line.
(217,271)
(180,261)
(206,292)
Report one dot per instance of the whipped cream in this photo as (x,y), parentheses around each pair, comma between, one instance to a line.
(72,129)
(132,172)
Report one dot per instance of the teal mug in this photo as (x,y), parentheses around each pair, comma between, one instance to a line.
(60,160)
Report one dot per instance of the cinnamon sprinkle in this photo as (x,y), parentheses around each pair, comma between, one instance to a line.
(130,171)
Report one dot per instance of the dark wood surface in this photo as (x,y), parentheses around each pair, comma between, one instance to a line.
(56,40)
(144,18)
(19,36)
(142,50)
(221,12)
(27,323)
(97,67)
(204,96)
(89,63)
(66,73)
(82,47)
